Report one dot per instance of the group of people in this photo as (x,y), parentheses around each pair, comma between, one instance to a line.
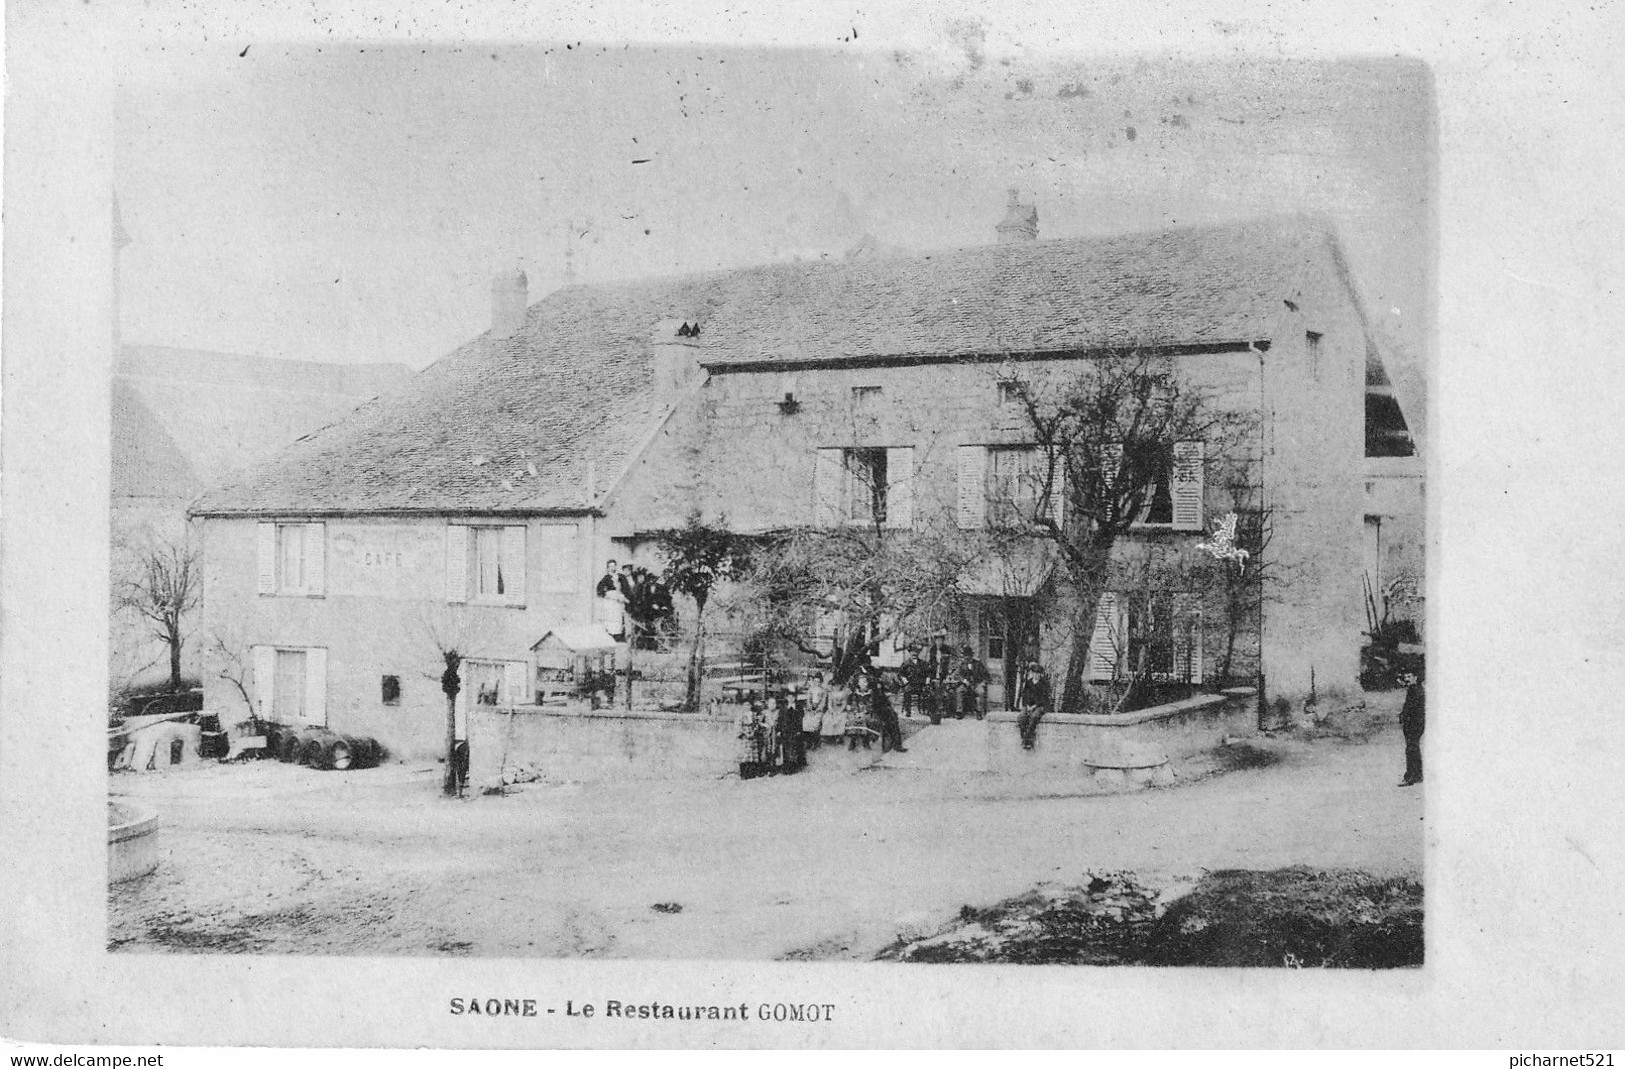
(775,733)
(635,601)
(941,683)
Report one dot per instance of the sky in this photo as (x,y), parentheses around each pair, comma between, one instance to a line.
(351,203)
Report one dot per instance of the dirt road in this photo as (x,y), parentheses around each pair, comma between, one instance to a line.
(276,858)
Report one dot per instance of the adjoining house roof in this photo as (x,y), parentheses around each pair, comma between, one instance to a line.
(537,422)
(226,411)
(146,462)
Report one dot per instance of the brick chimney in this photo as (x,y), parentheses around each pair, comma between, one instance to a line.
(510,296)
(674,349)
(1020,222)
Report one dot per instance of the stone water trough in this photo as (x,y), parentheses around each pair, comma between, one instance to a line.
(132,841)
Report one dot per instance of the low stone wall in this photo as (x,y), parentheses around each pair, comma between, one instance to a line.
(575,743)
(1146,739)
(132,841)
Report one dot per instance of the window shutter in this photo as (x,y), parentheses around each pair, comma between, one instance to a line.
(1197,668)
(828,469)
(1057,493)
(1105,643)
(456,562)
(972,491)
(267,555)
(900,487)
(316,686)
(514,676)
(1185,485)
(315,558)
(513,564)
(265,675)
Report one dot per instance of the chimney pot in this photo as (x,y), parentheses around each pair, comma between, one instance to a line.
(674,351)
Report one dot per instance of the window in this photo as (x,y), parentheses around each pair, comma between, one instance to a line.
(1158,509)
(292,558)
(1312,343)
(1010,393)
(1004,486)
(485,564)
(1173,492)
(865,399)
(290,684)
(864,485)
(1159,632)
(1014,485)
(392,690)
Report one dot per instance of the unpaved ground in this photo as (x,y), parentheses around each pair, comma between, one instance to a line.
(837,862)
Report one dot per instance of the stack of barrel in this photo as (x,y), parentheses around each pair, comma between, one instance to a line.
(321,748)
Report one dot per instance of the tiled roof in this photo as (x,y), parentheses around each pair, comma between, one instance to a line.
(517,424)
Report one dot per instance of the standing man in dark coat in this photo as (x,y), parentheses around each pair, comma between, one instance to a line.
(916,677)
(1412,721)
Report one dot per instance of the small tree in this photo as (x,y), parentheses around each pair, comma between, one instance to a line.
(1108,433)
(226,648)
(162,585)
(699,556)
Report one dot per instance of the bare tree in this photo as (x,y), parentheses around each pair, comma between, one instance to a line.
(1108,434)
(161,587)
(877,584)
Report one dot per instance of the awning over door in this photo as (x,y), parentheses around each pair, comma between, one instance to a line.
(1020,573)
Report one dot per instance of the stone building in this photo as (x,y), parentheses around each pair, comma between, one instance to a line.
(475,508)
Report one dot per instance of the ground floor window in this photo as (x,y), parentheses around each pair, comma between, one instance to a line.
(290,684)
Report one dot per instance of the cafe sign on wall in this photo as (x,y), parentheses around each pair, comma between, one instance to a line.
(385,560)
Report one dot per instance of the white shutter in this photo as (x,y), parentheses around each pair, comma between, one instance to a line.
(316,686)
(1196,666)
(972,477)
(1057,492)
(456,562)
(267,561)
(513,565)
(315,558)
(1185,485)
(828,469)
(900,487)
(264,680)
(515,674)
(1104,644)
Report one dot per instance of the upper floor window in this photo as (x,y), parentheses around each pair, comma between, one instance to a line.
(1172,495)
(865,399)
(292,559)
(864,485)
(1312,344)
(1010,392)
(1008,486)
(485,564)
(1015,485)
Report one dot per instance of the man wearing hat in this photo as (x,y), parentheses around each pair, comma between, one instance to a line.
(1412,718)
(1035,702)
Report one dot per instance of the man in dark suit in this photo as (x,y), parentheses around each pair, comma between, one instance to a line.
(1412,721)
